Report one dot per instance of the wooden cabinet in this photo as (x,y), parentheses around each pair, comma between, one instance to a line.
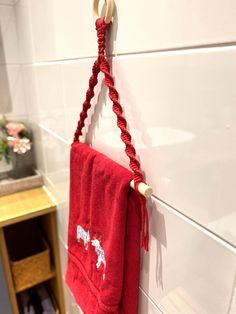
(21,210)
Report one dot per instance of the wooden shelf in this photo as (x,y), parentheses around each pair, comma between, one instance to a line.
(35,204)
(25,205)
(50,276)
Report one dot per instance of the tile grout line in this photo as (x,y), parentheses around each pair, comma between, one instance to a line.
(170,208)
(151,300)
(188,50)
(50,195)
(197,225)
(51,132)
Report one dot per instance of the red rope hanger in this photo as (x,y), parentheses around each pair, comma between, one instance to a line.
(101,65)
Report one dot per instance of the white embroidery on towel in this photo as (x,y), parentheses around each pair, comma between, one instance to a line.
(84,235)
(100,253)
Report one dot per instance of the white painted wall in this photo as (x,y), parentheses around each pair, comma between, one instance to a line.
(174,64)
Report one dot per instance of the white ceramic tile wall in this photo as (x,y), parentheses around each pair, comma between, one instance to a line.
(11,79)
(176,272)
(175,69)
(12,93)
(153,25)
(182,118)
(25,38)
(146,305)
(16,90)
(194,151)
(8,36)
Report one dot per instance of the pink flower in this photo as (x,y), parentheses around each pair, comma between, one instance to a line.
(14,128)
(20,145)
(23,146)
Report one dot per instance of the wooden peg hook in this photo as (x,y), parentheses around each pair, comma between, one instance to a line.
(109,10)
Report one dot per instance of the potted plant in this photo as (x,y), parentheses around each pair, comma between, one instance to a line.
(15,140)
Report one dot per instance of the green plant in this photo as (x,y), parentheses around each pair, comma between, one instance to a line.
(4,151)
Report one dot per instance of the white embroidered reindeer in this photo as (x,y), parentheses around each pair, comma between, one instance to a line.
(84,235)
(100,253)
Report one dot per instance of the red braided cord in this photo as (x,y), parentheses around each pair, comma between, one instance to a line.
(87,103)
(121,122)
(101,64)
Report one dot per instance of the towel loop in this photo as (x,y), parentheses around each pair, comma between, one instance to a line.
(109,10)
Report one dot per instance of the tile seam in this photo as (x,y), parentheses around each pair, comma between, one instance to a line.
(170,51)
(169,207)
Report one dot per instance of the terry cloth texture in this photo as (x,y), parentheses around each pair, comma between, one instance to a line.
(103,234)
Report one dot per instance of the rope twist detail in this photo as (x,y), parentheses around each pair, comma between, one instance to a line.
(101,65)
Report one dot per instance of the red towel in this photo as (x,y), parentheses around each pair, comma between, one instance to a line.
(103,234)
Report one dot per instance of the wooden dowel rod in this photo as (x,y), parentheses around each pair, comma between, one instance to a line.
(143,188)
